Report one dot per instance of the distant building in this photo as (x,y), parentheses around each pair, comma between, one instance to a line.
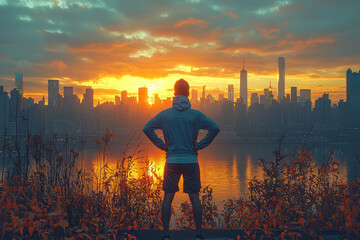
(88,99)
(322,112)
(293,95)
(243,86)
(4,109)
(352,85)
(124,96)
(231,92)
(143,97)
(203,92)
(305,95)
(194,95)
(157,100)
(221,97)
(353,97)
(53,92)
(68,92)
(117,100)
(254,98)
(281,82)
(19,83)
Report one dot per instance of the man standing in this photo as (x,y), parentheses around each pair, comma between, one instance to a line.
(180,125)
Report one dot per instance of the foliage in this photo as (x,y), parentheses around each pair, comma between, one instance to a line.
(297,199)
(50,197)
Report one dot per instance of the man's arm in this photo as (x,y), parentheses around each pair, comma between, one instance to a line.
(213,129)
(149,130)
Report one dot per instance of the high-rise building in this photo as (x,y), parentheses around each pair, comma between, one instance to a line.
(243,86)
(117,100)
(124,97)
(53,92)
(221,97)
(305,95)
(157,99)
(68,92)
(143,95)
(231,92)
(352,84)
(19,83)
(194,95)
(293,95)
(254,98)
(203,92)
(88,99)
(281,82)
(353,97)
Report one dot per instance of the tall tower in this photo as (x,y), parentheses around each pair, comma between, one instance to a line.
(143,96)
(243,85)
(19,83)
(293,94)
(231,92)
(124,96)
(281,82)
(53,92)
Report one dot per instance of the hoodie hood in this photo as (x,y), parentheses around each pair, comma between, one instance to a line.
(181,103)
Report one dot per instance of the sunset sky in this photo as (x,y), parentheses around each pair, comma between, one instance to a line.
(114,45)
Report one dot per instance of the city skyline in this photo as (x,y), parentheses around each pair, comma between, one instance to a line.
(113,45)
(236,92)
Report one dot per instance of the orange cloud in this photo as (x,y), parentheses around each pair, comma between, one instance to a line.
(193,21)
(269,33)
(230,14)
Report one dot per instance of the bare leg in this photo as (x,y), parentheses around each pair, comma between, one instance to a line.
(197,211)
(166,211)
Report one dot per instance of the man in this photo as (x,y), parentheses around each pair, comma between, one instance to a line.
(180,125)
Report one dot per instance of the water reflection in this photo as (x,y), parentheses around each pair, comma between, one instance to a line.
(228,169)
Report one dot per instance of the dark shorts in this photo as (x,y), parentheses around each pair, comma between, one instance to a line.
(191,176)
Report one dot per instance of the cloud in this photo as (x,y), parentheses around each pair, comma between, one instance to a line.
(192,21)
(85,41)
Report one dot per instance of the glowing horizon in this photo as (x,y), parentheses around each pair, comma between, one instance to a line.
(116,45)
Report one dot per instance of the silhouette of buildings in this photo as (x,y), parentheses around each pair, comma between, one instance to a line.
(231,92)
(143,96)
(281,81)
(243,86)
(19,83)
(305,95)
(293,95)
(353,97)
(53,92)
(88,99)
(264,118)
(124,97)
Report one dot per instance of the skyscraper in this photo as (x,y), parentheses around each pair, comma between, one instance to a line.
(203,92)
(281,82)
(68,92)
(143,95)
(124,96)
(254,98)
(353,97)
(293,95)
(352,84)
(19,83)
(243,86)
(117,100)
(88,99)
(53,92)
(194,95)
(231,92)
